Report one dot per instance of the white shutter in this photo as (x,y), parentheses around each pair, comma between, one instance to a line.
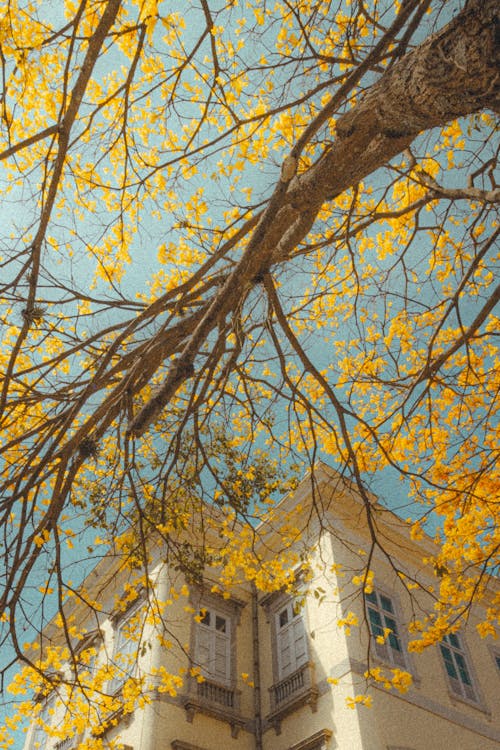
(221,666)
(203,650)
(382,651)
(299,641)
(123,650)
(213,648)
(284,652)
(469,692)
(291,639)
(398,658)
(39,734)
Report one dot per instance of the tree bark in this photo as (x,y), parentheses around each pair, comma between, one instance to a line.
(455,72)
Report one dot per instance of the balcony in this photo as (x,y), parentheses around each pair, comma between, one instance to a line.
(66,744)
(294,691)
(215,700)
(217,694)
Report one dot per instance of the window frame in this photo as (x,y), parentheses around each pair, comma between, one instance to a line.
(231,609)
(214,634)
(210,697)
(458,653)
(295,616)
(38,732)
(120,621)
(297,689)
(495,655)
(92,640)
(273,604)
(387,651)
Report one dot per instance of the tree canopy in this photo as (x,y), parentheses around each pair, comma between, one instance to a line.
(237,238)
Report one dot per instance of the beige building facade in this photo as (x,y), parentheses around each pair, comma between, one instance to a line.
(278,676)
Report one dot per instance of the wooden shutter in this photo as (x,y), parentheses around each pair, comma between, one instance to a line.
(124,648)
(213,647)
(291,641)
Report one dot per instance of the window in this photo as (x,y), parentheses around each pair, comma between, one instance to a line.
(458,672)
(86,657)
(124,651)
(294,679)
(66,744)
(291,640)
(497,661)
(213,646)
(87,664)
(39,732)
(213,649)
(382,619)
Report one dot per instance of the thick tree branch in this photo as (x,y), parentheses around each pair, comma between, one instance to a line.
(453,73)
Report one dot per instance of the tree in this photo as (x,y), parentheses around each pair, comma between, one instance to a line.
(282,224)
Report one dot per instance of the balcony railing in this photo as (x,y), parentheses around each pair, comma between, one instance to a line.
(65,744)
(293,692)
(218,701)
(211,691)
(283,690)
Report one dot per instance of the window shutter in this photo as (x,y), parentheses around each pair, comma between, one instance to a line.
(398,658)
(221,667)
(300,643)
(124,648)
(382,651)
(291,640)
(381,616)
(203,650)
(213,647)
(284,653)
(456,667)
(39,735)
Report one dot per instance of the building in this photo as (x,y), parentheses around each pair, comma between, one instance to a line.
(281,676)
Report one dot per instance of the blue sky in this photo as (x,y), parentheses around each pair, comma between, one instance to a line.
(79,270)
